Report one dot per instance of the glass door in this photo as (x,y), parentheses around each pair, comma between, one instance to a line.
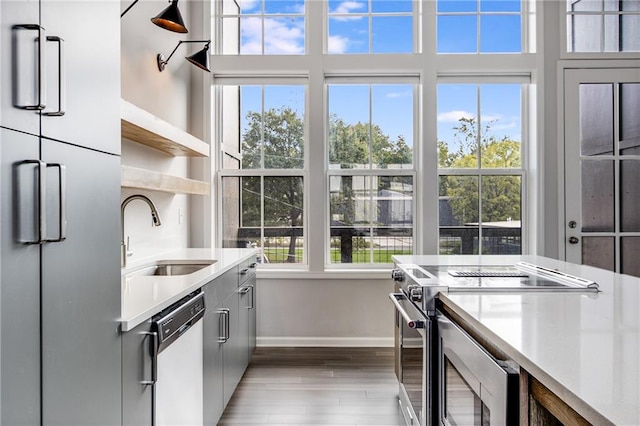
(602,168)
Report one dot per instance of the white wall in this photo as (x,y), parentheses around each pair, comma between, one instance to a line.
(166,95)
(324,312)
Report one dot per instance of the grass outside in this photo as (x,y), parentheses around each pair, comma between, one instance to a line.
(359,256)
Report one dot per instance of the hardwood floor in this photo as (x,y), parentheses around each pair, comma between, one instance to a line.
(317,386)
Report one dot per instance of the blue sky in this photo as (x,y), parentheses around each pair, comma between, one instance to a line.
(349,31)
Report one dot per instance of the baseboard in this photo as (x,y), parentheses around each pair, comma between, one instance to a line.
(370,342)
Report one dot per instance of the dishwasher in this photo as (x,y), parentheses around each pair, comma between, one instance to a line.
(177,363)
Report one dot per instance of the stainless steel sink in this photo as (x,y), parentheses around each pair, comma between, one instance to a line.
(170,268)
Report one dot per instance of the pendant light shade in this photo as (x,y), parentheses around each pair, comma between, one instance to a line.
(171,19)
(200,59)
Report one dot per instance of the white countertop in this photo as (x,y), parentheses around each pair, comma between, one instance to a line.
(145,296)
(583,347)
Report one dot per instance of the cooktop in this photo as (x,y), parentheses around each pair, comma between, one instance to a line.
(521,276)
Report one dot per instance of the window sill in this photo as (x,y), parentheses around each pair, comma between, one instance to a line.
(347,274)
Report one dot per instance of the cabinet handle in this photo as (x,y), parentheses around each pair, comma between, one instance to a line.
(224,325)
(153,349)
(41,81)
(61,78)
(62,207)
(253,297)
(244,271)
(41,197)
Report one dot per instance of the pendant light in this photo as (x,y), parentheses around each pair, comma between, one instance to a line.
(169,19)
(199,59)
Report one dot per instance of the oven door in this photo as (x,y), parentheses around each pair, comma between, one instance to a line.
(475,388)
(413,329)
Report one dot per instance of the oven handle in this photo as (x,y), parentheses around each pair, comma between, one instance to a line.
(411,323)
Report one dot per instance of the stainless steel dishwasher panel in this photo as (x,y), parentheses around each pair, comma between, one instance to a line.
(179,397)
(178,369)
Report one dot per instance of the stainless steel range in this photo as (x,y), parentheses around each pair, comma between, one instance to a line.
(420,360)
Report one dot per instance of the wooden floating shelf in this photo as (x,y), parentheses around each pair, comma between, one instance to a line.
(143,127)
(133,177)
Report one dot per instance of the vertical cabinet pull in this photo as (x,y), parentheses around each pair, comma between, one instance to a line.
(244,291)
(61,78)
(253,297)
(224,325)
(40,200)
(40,102)
(62,199)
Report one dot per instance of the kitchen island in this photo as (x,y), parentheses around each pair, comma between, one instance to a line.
(583,348)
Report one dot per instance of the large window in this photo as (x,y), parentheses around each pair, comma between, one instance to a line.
(262,181)
(382,127)
(603,25)
(480,168)
(371,171)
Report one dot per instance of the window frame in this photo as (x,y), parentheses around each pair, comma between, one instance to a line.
(561,9)
(262,172)
(429,68)
(371,80)
(525,149)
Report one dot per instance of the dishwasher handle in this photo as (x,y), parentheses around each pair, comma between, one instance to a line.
(153,349)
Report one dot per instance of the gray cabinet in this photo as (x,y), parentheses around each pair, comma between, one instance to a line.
(137,374)
(248,305)
(228,344)
(60,286)
(60,70)
(80,291)
(19,65)
(19,281)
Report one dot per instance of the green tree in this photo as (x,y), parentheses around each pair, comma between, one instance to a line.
(274,140)
(501,198)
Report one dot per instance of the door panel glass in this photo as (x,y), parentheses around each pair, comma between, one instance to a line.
(630,32)
(599,252)
(629,196)
(596,119)
(630,253)
(630,118)
(597,196)
(585,33)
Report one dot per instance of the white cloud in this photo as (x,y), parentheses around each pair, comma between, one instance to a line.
(338,44)
(248,5)
(281,37)
(349,6)
(454,116)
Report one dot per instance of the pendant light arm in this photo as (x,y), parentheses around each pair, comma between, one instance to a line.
(129,8)
(174,50)
(163,62)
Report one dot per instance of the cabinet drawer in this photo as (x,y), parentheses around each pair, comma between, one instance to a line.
(217,290)
(247,269)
